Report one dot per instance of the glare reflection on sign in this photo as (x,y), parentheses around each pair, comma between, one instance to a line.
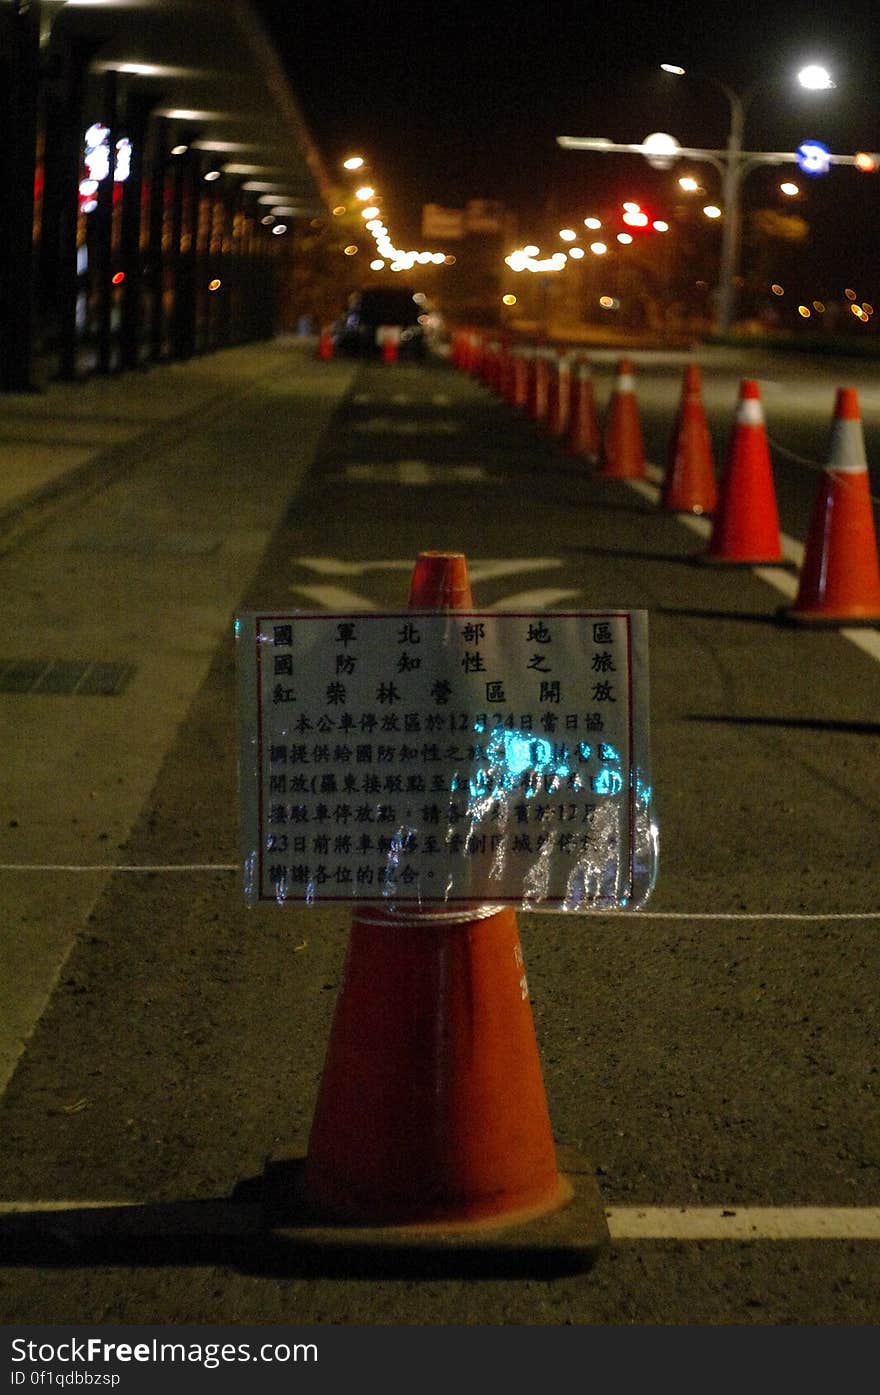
(444,760)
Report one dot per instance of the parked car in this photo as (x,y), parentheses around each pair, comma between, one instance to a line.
(360,329)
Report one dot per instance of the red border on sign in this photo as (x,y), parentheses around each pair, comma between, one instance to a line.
(420,902)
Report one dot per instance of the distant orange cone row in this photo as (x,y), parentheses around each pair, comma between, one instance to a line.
(432,1106)
(689,485)
(623,455)
(746,526)
(840,576)
(584,437)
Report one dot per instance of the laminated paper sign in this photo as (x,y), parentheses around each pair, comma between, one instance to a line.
(447,759)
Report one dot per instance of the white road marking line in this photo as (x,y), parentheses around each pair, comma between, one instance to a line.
(121,867)
(335,566)
(491,569)
(639,1223)
(541,599)
(479,569)
(744,1222)
(810,917)
(867,640)
(334,598)
(407,428)
(411,472)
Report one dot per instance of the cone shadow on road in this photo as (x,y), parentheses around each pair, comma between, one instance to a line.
(749,617)
(629,553)
(243,1232)
(794,723)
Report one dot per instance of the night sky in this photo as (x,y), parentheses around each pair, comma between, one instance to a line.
(452,101)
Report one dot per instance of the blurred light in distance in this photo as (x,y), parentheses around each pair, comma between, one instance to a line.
(607,302)
(354,162)
(508,299)
(576,252)
(804,311)
(868,309)
(777,289)
(819,306)
(688,183)
(215,284)
(567,234)
(593,223)
(364,192)
(371,212)
(672,68)
(449,260)
(350,250)
(815,78)
(179,149)
(531,250)
(632,207)
(858,312)
(659,225)
(377,265)
(864,161)
(438,258)
(279,229)
(212,175)
(118,278)
(850,295)
(624,238)
(635,219)
(599,248)
(789,189)
(268,220)
(339,210)
(712,210)
(374,225)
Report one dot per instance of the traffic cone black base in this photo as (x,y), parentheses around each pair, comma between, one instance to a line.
(568,1239)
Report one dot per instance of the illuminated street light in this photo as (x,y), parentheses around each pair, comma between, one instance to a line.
(712,210)
(593,223)
(567,234)
(354,162)
(815,78)
(689,184)
(789,189)
(732,163)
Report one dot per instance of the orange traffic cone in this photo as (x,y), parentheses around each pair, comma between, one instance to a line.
(539,384)
(584,434)
(559,403)
(623,455)
(746,527)
(522,364)
(431,1110)
(840,577)
(689,486)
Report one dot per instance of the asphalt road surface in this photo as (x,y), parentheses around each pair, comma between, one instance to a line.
(715,1056)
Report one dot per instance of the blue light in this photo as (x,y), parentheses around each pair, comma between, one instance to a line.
(813,157)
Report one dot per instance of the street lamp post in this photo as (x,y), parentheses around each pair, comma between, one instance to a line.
(732,163)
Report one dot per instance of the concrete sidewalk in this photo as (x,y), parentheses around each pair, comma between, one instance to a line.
(51,440)
(133,512)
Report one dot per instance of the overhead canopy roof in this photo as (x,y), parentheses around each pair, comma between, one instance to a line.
(213,70)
